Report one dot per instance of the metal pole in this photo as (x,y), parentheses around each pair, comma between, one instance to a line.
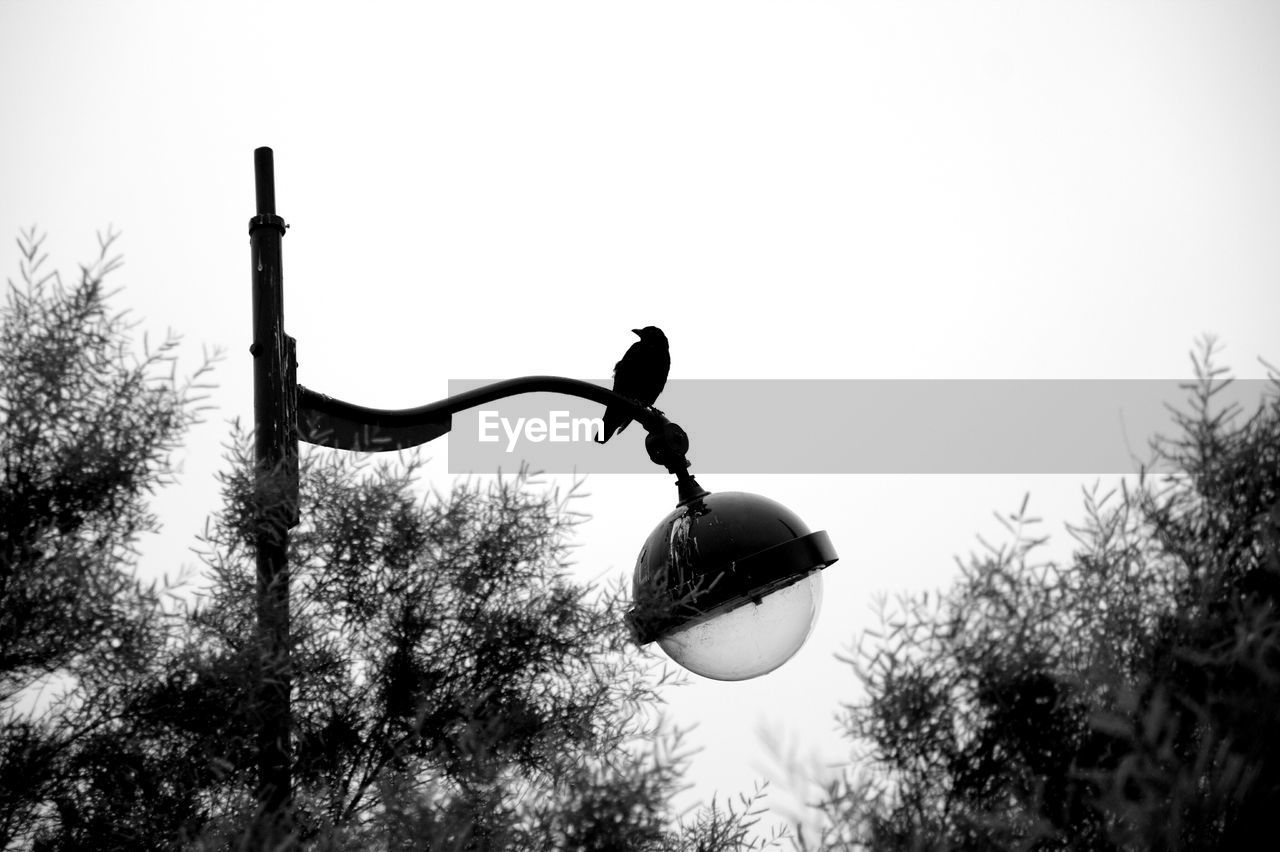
(276,502)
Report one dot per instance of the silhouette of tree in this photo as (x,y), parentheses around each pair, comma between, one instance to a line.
(454,688)
(1123,700)
(87,430)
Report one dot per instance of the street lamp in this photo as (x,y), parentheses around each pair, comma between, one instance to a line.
(728,584)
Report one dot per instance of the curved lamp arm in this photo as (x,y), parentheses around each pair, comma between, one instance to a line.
(341,425)
(330,422)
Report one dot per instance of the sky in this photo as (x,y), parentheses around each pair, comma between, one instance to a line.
(791,190)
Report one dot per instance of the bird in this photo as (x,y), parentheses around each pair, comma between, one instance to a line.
(640,376)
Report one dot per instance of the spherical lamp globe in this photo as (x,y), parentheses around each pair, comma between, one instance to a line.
(729,585)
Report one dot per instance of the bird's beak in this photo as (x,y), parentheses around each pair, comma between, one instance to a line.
(636,332)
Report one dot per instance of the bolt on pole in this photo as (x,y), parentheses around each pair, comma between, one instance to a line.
(275,501)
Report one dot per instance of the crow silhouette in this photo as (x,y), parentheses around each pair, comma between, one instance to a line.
(640,375)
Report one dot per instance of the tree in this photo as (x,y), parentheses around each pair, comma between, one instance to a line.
(454,688)
(86,433)
(1123,700)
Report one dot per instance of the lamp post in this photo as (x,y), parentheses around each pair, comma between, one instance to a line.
(275,502)
(727,584)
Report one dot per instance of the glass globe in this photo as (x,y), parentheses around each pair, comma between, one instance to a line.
(729,585)
(752,639)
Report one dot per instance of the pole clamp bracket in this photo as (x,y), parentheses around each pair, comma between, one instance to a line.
(267,220)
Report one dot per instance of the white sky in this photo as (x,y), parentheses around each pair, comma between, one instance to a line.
(790,190)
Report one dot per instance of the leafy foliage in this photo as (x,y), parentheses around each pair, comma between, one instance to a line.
(1123,700)
(87,432)
(454,687)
